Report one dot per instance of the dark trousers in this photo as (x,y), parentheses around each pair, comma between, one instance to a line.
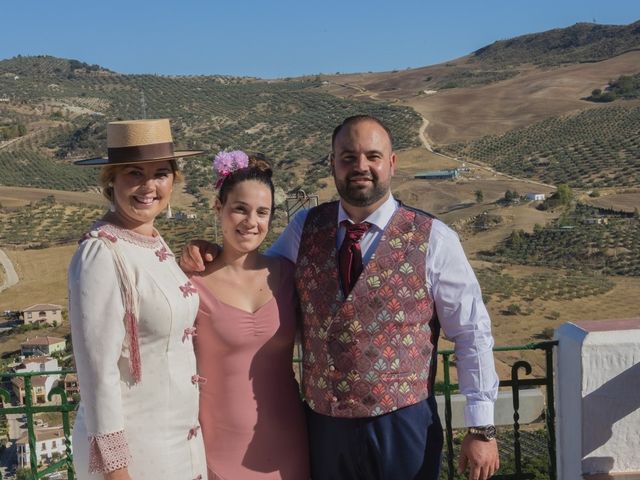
(401,445)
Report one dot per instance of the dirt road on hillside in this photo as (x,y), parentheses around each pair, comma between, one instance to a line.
(422,133)
(11,277)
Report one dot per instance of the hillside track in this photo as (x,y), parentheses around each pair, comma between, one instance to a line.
(422,133)
(11,277)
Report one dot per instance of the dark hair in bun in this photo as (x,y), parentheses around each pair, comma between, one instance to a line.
(259,169)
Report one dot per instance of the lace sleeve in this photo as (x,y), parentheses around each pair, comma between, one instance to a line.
(108,452)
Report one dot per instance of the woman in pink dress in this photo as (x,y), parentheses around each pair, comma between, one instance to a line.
(250,410)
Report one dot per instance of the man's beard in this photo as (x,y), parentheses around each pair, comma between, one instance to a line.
(358,196)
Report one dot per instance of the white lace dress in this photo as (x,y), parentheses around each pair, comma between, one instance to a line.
(137,373)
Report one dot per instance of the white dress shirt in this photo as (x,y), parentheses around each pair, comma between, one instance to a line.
(456,294)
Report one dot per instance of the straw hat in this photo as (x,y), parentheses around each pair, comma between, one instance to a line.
(138,141)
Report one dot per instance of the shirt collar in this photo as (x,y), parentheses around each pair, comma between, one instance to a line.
(379,218)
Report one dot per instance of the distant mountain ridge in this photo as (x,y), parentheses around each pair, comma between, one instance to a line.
(582,42)
(45,65)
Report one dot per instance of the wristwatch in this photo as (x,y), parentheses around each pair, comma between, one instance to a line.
(487,432)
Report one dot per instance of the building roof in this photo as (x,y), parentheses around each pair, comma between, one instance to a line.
(46,340)
(437,173)
(42,306)
(39,381)
(43,434)
(37,360)
(71,377)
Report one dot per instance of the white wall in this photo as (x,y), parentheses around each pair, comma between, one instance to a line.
(598,398)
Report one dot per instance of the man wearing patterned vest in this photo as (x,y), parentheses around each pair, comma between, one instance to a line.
(377,280)
(370,347)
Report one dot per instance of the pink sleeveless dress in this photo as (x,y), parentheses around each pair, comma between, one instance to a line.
(252,418)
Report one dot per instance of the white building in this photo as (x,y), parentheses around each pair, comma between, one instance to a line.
(597,385)
(48,441)
(40,385)
(45,345)
(42,312)
(535,196)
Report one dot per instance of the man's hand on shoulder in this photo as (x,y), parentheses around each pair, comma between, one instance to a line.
(120,474)
(480,456)
(196,253)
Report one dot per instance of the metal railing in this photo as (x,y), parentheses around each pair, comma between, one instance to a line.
(29,410)
(516,383)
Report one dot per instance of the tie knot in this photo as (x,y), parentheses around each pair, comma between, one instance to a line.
(355,231)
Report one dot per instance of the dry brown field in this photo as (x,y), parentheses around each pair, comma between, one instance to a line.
(453,199)
(20,196)
(463,114)
(181,199)
(43,279)
(626,201)
(42,276)
(11,197)
(535,94)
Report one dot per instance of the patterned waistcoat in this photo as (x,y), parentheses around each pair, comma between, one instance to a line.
(374,351)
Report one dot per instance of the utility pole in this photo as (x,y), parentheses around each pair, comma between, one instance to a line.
(143,104)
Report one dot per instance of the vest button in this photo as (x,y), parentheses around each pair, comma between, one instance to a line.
(334,399)
(332,368)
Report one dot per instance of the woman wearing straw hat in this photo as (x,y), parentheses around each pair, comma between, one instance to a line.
(132,312)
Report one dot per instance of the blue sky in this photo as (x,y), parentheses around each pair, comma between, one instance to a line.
(280,38)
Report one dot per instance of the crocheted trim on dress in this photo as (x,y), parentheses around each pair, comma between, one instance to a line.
(129,235)
(108,452)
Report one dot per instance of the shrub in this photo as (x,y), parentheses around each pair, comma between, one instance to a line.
(513,309)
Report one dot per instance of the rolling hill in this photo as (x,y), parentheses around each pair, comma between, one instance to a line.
(513,113)
(582,42)
(65,111)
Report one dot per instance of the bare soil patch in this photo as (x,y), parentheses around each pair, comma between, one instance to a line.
(455,200)
(617,201)
(43,277)
(20,196)
(523,216)
(180,199)
(463,114)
